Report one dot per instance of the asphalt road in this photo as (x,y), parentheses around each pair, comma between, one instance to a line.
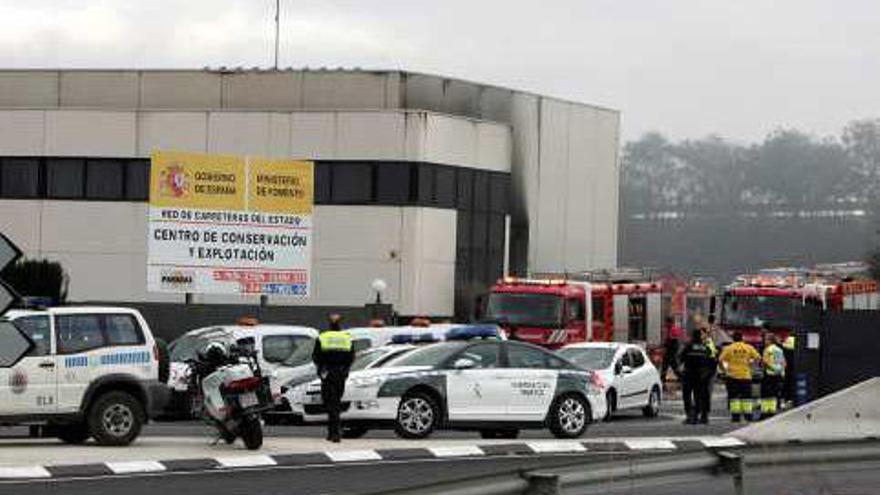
(626,424)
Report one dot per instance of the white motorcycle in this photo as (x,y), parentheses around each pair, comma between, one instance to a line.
(234,391)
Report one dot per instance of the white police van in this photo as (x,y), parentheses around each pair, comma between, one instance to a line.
(494,386)
(82,371)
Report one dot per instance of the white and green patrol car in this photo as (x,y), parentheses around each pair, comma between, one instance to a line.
(84,372)
(493,386)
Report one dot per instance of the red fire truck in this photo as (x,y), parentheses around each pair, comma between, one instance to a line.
(770,298)
(553,312)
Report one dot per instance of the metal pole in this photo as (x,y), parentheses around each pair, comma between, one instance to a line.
(277,24)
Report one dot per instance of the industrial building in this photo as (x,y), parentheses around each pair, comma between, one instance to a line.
(436,185)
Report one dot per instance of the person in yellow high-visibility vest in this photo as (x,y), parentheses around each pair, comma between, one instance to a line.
(333,355)
(774,373)
(737,359)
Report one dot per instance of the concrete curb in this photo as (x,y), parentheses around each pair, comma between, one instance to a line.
(537,448)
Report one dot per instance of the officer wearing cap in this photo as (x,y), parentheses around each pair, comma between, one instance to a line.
(333,355)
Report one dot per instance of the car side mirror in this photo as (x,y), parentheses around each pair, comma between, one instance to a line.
(464,364)
(618,368)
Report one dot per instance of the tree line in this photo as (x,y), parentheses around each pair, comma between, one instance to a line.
(788,170)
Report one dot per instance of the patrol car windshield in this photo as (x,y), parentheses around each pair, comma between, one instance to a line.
(188,345)
(754,311)
(591,358)
(538,310)
(432,355)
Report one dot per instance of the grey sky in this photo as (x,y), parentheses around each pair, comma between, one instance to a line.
(684,67)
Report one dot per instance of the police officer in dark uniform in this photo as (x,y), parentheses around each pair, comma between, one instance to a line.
(333,355)
(698,365)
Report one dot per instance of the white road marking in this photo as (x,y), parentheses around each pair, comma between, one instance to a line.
(246,461)
(457,451)
(135,467)
(554,447)
(354,455)
(24,472)
(722,442)
(649,444)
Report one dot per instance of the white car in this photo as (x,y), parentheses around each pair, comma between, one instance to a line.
(283,350)
(630,380)
(493,386)
(84,372)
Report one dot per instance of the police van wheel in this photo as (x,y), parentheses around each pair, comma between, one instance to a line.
(652,409)
(569,416)
(506,433)
(252,433)
(116,419)
(417,416)
(74,434)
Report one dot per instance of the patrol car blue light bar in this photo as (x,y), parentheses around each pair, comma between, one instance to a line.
(467,332)
(426,338)
(402,338)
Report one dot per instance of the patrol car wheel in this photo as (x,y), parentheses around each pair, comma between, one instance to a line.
(417,415)
(116,419)
(569,416)
(74,434)
(652,409)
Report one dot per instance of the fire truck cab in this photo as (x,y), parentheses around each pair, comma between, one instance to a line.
(553,312)
(770,299)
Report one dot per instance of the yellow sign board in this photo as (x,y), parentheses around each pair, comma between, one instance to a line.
(280,186)
(191,180)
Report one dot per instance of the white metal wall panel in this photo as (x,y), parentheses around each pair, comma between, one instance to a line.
(370,135)
(376,229)
(343,90)
(240,133)
(90,133)
(101,89)
(580,207)
(22,89)
(262,90)
(21,132)
(182,131)
(548,233)
(69,226)
(493,147)
(279,135)
(20,221)
(525,156)
(423,92)
(313,135)
(181,90)
(607,176)
(496,104)
(428,261)
(450,140)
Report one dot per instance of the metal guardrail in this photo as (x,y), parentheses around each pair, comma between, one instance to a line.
(733,463)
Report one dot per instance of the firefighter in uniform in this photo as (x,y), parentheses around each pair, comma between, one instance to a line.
(737,359)
(774,373)
(333,355)
(698,365)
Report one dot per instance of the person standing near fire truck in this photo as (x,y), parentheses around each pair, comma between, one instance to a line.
(774,371)
(698,366)
(737,359)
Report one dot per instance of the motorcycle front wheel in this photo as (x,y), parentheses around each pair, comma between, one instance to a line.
(252,432)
